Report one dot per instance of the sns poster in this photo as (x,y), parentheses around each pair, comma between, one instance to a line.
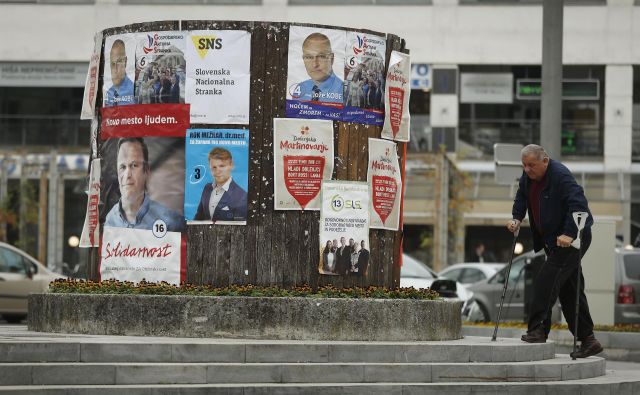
(142,193)
(218,76)
(217,176)
(396,98)
(385,181)
(364,78)
(344,229)
(315,87)
(303,157)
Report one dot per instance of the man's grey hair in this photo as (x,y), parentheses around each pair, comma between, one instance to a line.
(534,149)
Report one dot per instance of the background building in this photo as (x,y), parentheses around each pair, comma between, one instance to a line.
(476,65)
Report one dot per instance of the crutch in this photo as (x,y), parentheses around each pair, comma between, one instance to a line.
(580,218)
(506,280)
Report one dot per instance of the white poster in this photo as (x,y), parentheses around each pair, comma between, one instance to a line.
(91,84)
(315,70)
(160,67)
(396,98)
(385,181)
(344,228)
(119,70)
(135,255)
(218,76)
(303,157)
(90,236)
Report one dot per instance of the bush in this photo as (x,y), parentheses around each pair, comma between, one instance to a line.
(74,286)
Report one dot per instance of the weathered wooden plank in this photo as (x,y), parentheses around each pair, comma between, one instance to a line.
(195,241)
(209,255)
(223,251)
(292,241)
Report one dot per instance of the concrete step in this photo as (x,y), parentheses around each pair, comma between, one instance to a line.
(560,368)
(618,383)
(86,348)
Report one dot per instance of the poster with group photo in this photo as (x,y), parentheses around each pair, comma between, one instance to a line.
(344,228)
(396,98)
(364,78)
(119,70)
(315,87)
(142,191)
(160,67)
(218,76)
(217,176)
(303,157)
(385,181)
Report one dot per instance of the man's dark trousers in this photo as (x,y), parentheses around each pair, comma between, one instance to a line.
(558,279)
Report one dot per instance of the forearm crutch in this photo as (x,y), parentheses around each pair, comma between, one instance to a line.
(506,280)
(580,218)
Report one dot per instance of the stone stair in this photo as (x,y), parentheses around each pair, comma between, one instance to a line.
(46,363)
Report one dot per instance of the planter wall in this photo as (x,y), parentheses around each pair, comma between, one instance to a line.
(247,317)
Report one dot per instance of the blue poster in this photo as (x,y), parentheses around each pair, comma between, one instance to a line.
(217,176)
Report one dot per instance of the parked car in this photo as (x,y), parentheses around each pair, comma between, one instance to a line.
(487,293)
(627,304)
(470,273)
(20,275)
(418,275)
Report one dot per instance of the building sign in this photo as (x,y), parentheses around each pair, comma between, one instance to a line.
(420,76)
(486,88)
(572,89)
(43,74)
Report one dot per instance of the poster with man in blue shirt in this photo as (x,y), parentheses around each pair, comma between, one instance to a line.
(316,59)
(120,60)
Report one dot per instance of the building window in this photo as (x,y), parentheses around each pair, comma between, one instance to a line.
(489,120)
(63,2)
(193,2)
(360,2)
(531,2)
(635,122)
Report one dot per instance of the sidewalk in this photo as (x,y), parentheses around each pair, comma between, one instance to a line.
(618,346)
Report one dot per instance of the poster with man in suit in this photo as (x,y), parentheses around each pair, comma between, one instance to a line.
(216,181)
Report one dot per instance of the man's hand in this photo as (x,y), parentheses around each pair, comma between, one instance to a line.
(564,241)
(513,225)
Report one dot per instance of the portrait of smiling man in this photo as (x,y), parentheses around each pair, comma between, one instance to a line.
(121,90)
(222,199)
(323,84)
(135,209)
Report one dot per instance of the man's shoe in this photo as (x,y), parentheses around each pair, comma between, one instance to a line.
(588,347)
(536,335)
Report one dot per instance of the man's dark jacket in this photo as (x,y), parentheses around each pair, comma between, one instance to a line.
(232,205)
(560,198)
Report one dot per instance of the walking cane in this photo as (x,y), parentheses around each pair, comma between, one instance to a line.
(580,218)
(506,281)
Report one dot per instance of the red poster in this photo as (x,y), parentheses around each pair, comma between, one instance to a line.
(162,120)
(384,195)
(303,176)
(396,102)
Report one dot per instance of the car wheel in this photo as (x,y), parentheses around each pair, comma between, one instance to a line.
(14,318)
(476,312)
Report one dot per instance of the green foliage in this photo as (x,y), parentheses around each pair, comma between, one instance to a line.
(74,286)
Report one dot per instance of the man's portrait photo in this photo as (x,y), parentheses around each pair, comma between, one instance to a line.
(316,65)
(135,208)
(222,199)
(119,87)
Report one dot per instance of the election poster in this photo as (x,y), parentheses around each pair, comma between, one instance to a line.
(344,228)
(217,176)
(91,83)
(303,157)
(315,87)
(142,192)
(119,70)
(385,181)
(218,76)
(364,78)
(90,236)
(396,98)
(160,67)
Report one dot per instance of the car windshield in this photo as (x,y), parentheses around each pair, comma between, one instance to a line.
(411,267)
(632,266)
